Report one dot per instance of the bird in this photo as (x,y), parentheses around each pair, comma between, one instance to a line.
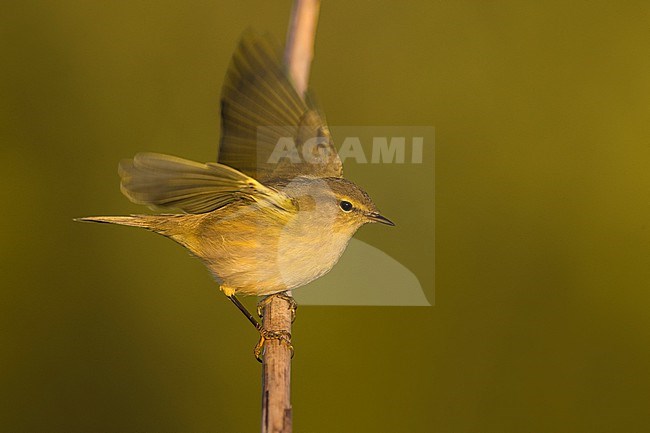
(274,213)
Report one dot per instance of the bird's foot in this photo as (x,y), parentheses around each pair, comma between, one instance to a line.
(265,335)
(293,306)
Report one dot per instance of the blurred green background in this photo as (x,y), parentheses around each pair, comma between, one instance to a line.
(541,320)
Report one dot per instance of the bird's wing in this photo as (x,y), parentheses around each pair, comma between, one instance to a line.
(167,181)
(268,130)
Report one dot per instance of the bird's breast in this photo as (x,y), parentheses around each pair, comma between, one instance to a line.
(258,255)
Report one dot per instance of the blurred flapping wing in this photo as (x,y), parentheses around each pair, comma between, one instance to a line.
(268,130)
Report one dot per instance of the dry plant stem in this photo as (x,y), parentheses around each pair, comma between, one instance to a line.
(276,367)
(277,312)
(299,50)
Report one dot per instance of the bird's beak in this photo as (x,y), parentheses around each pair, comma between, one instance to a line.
(375,217)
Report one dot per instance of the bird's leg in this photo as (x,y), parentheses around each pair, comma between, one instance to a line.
(266,334)
(246,313)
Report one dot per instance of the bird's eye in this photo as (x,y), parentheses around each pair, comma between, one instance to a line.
(346,206)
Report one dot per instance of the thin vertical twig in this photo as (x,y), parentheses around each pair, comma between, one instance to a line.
(277,414)
(277,312)
(299,49)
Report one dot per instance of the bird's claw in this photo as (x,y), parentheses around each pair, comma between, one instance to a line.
(293,306)
(265,334)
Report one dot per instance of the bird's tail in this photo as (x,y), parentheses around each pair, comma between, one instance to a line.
(179,228)
(151,222)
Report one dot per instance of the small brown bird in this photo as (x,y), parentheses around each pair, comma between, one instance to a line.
(283,215)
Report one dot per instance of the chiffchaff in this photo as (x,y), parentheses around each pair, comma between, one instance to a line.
(278,220)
